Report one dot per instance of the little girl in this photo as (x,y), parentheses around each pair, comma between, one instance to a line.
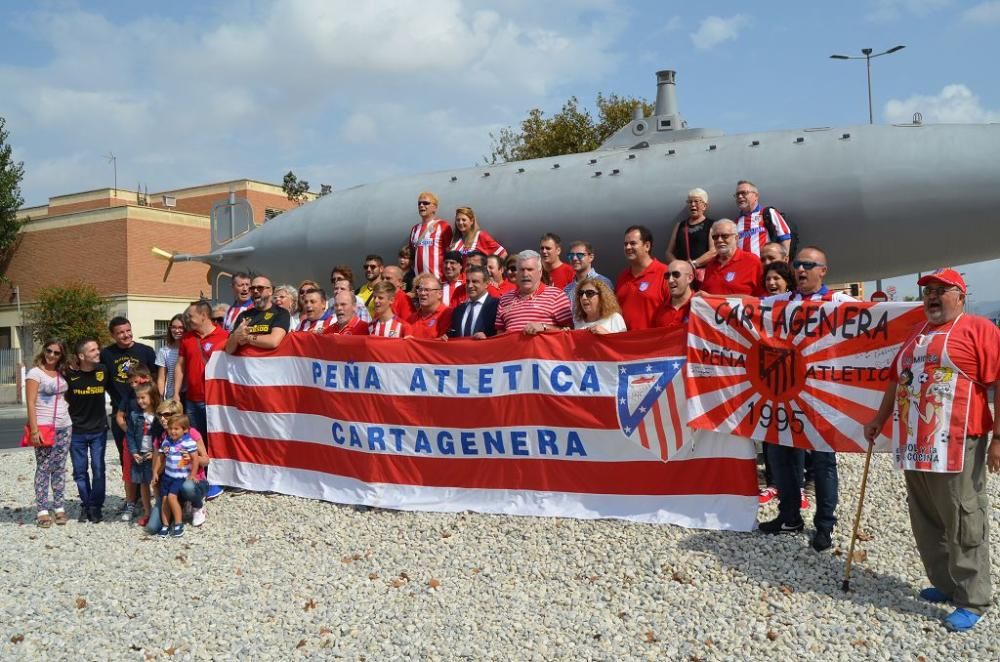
(142,427)
(180,462)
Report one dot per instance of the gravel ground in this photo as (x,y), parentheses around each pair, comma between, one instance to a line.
(283,577)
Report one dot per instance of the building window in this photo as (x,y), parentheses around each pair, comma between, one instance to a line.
(271,212)
(160,330)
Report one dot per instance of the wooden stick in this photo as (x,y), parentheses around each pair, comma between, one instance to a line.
(846,585)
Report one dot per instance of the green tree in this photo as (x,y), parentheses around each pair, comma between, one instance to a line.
(71,312)
(570,131)
(297,191)
(11,174)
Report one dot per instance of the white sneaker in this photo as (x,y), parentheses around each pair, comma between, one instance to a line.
(129,511)
(198,516)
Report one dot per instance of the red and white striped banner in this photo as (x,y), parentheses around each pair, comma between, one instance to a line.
(569,424)
(809,374)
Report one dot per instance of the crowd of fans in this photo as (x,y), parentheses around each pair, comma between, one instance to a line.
(449,281)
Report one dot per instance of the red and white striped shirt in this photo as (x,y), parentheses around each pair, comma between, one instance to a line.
(548,305)
(430,241)
(394,328)
(307,325)
(453,294)
(229,322)
(482,242)
(753,228)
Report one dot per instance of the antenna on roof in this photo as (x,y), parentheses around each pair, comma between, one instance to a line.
(113,160)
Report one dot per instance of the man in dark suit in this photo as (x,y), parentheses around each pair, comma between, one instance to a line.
(475,317)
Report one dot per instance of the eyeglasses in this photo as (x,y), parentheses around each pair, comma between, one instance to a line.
(425,290)
(696,201)
(424,203)
(674,274)
(928,291)
(576,256)
(717,237)
(587,294)
(806,264)
(259,288)
(53,352)
(743,194)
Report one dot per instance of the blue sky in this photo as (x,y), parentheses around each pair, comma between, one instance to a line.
(346,92)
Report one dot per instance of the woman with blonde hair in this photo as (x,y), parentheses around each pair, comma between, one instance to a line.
(48,430)
(469,237)
(287,297)
(596,308)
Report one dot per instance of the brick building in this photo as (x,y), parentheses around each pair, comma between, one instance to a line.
(105,237)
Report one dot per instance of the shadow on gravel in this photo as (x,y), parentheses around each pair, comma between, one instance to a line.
(790,561)
(26,514)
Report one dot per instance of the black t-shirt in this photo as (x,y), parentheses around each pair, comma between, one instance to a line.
(120,362)
(262,322)
(695,236)
(86,399)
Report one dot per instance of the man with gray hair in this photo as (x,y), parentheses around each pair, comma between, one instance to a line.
(758,225)
(533,307)
(732,270)
(773,251)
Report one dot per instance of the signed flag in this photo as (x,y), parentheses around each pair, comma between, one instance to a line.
(808,374)
(569,424)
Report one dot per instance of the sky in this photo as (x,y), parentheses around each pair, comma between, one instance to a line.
(343,93)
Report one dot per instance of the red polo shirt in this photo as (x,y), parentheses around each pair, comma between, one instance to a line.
(196,351)
(640,296)
(743,274)
(546,305)
(355,327)
(668,317)
(432,325)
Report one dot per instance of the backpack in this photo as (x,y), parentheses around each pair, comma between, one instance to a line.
(772,229)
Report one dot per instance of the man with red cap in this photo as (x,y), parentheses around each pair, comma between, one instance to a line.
(939,388)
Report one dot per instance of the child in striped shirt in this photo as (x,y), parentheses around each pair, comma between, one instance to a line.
(178,461)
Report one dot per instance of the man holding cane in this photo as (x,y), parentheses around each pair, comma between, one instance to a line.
(938,387)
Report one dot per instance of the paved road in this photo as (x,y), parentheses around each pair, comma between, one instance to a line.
(10,432)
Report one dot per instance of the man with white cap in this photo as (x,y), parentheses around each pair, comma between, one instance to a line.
(939,389)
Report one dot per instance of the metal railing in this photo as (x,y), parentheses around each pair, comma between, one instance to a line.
(9,360)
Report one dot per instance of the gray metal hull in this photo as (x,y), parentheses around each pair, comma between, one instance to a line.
(882,201)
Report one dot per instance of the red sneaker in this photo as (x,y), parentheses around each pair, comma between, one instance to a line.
(767,495)
(804,503)
(144,520)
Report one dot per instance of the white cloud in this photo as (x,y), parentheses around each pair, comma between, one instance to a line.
(955,104)
(983,13)
(890,10)
(256,87)
(714,30)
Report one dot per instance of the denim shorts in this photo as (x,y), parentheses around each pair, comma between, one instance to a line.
(170,485)
(142,473)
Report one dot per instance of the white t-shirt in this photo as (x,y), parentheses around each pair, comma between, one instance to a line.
(51,397)
(166,357)
(613,323)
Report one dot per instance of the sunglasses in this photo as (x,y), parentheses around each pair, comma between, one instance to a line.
(674,274)
(806,264)
(576,256)
(587,294)
(53,352)
(218,320)
(259,288)
(424,203)
(716,237)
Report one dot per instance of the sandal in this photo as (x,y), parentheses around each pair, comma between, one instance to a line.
(61,517)
(44,521)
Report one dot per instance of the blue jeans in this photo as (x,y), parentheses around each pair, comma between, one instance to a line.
(91,486)
(193,492)
(199,421)
(827,486)
(787,470)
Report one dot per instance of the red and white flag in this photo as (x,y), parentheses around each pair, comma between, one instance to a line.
(570,424)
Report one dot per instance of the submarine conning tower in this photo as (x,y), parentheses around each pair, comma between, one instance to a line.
(664,126)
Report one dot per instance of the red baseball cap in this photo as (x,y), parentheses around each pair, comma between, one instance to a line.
(946,276)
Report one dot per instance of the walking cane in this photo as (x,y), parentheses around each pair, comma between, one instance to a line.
(846,586)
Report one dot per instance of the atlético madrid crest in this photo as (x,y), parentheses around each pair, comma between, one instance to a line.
(650,404)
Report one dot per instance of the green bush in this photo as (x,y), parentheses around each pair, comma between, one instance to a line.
(69,312)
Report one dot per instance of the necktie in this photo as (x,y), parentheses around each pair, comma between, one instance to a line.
(467,331)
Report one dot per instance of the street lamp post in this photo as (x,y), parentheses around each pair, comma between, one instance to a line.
(867,57)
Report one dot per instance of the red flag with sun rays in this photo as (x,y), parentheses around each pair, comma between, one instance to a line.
(808,374)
